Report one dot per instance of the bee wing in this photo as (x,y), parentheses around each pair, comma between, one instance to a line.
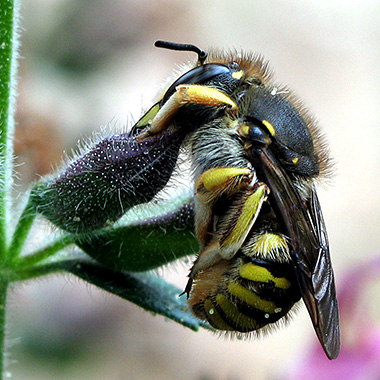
(319,286)
(304,224)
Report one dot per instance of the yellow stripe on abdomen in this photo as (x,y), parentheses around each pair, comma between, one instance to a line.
(251,298)
(258,273)
(241,321)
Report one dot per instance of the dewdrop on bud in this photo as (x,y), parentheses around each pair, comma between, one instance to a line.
(114,175)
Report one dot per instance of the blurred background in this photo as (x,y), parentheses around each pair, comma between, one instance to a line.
(88,63)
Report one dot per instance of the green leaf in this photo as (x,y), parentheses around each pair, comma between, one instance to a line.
(143,289)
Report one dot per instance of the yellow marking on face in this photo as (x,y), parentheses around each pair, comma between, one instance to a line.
(295,160)
(214,317)
(269,127)
(217,177)
(257,273)
(238,74)
(148,117)
(208,96)
(244,130)
(268,242)
(234,314)
(251,298)
(233,124)
(247,214)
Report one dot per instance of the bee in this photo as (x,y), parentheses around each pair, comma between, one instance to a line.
(256,156)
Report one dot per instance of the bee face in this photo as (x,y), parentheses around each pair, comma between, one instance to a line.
(255,156)
(271,119)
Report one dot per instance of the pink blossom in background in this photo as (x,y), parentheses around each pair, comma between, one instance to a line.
(359,357)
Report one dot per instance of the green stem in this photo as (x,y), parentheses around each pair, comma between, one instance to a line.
(3,300)
(25,274)
(9,22)
(44,253)
(38,271)
(21,232)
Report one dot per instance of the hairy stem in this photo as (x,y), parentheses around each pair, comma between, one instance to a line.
(44,253)
(3,300)
(8,68)
(22,230)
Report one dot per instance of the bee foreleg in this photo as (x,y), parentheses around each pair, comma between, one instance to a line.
(187,94)
(212,183)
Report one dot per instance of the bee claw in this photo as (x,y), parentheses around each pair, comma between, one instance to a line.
(187,287)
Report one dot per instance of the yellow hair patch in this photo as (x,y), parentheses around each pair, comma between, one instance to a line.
(268,242)
(295,160)
(233,124)
(269,127)
(251,298)
(244,130)
(257,273)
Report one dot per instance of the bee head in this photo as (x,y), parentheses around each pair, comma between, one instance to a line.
(271,120)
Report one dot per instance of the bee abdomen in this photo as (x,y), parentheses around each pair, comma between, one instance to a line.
(250,296)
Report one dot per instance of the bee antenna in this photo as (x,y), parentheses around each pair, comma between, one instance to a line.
(202,55)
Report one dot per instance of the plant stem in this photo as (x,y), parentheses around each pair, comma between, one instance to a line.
(21,232)
(9,22)
(40,270)
(44,253)
(3,300)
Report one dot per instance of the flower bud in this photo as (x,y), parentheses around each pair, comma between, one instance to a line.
(114,175)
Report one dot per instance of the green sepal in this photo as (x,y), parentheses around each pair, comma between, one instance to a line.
(140,244)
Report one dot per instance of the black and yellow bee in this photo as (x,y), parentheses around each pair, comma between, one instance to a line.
(256,155)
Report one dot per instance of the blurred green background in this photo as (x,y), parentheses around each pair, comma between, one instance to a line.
(90,63)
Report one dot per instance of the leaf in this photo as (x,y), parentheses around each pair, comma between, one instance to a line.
(143,289)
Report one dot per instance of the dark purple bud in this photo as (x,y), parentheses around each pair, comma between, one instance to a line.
(113,176)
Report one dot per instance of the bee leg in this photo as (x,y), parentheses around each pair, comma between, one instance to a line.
(187,94)
(237,223)
(233,228)
(209,187)
(248,195)
(209,256)
(212,183)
